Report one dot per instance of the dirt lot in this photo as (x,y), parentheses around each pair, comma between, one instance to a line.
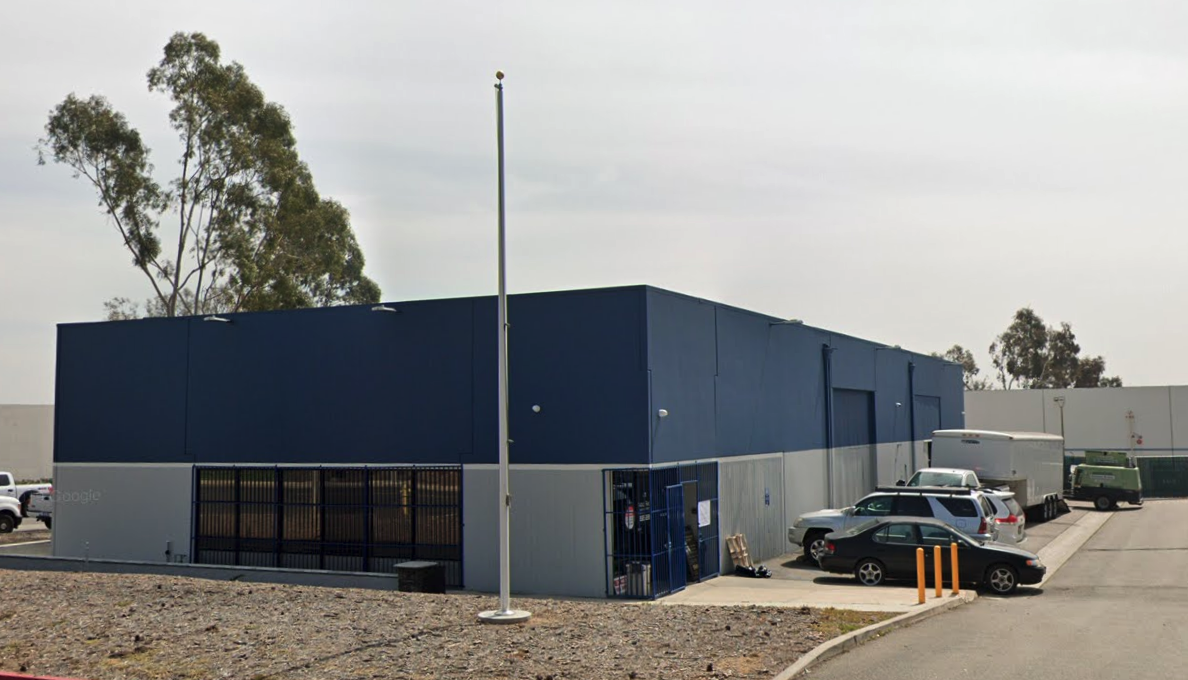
(101,626)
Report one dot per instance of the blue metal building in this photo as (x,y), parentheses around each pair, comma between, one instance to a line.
(646,426)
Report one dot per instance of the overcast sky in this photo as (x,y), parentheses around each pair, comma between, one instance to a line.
(908,172)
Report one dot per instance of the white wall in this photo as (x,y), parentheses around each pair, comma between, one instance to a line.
(1011,410)
(1093,418)
(27,440)
(122,512)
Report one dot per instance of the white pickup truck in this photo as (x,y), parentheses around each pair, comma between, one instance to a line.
(9,487)
(21,493)
(11,510)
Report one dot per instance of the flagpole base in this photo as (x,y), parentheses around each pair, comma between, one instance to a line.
(509,616)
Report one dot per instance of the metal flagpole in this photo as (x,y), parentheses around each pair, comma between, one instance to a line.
(505,614)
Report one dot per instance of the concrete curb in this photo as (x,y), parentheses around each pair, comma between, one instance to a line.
(1058,552)
(845,643)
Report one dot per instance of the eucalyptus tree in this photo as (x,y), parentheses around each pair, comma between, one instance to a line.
(252,232)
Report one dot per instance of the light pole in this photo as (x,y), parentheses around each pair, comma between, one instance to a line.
(505,614)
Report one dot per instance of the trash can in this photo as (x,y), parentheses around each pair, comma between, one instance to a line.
(420,577)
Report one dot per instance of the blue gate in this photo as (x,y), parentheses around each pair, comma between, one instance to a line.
(661,529)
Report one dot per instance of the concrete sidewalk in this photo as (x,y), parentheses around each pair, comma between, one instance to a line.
(796,584)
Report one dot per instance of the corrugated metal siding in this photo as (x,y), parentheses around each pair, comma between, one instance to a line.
(853,454)
(682,362)
(805,484)
(751,502)
(852,422)
(347,385)
(120,392)
(928,416)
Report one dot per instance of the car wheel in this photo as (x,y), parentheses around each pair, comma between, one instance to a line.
(7,523)
(1101,503)
(1002,579)
(48,523)
(814,544)
(870,572)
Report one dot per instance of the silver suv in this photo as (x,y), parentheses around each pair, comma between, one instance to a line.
(965,509)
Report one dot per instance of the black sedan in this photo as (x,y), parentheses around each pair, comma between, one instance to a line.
(885,548)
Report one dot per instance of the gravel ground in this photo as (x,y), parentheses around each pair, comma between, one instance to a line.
(104,626)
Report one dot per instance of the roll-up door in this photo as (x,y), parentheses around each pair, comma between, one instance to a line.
(853,445)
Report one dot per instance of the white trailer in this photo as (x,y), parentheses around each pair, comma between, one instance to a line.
(1030,463)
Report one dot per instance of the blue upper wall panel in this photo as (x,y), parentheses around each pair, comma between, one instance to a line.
(770,388)
(892,403)
(336,385)
(937,378)
(765,389)
(351,385)
(581,357)
(120,392)
(682,352)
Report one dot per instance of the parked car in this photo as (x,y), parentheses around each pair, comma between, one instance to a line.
(964,509)
(1008,515)
(944,477)
(885,548)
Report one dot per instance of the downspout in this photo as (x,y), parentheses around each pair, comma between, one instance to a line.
(827,357)
(912,409)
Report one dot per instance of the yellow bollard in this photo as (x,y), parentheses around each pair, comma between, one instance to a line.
(920,572)
(936,564)
(956,585)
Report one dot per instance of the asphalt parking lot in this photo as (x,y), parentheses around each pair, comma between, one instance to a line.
(795,582)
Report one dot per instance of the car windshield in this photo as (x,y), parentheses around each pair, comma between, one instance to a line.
(923,478)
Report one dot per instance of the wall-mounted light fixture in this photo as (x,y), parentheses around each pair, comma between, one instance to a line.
(663,413)
(897,404)
(384,308)
(536,408)
(214,317)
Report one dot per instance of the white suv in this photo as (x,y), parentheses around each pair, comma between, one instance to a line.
(965,509)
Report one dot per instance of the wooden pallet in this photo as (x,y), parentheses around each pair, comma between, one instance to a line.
(739,553)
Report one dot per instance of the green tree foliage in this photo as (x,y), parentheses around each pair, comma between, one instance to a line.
(252,231)
(959,355)
(1033,355)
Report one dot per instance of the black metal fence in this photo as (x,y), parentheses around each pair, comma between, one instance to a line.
(662,529)
(365,519)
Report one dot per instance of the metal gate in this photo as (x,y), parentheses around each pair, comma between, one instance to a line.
(1165,477)
(661,529)
(366,519)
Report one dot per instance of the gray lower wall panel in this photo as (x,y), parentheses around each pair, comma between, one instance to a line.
(805,486)
(122,512)
(751,502)
(853,474)
(557,534)
(896,462)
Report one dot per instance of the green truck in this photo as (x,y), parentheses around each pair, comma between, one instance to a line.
(1107,477)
